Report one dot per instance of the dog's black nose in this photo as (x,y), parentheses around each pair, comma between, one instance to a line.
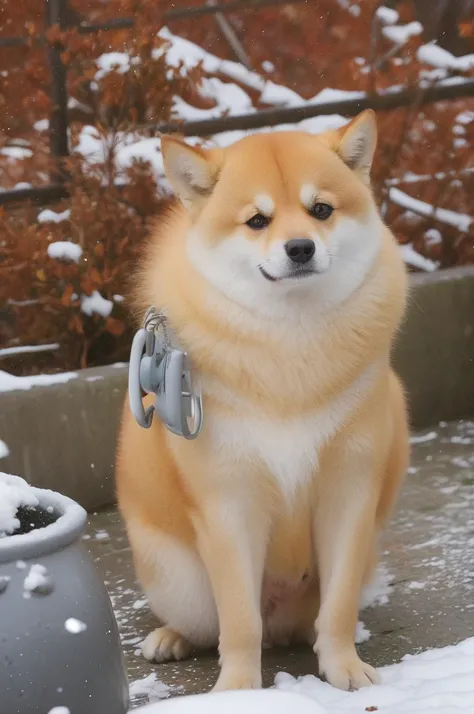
(300,250)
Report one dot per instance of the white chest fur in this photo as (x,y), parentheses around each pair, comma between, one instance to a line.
(289,448)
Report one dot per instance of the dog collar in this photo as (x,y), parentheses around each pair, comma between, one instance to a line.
(160,368)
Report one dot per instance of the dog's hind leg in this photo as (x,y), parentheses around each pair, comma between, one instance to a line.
(177,587)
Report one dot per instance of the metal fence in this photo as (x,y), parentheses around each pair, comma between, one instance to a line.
(58,13)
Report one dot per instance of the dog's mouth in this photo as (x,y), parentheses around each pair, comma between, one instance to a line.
(293,275)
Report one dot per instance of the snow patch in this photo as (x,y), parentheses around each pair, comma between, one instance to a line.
(144,150)
(433,237)
(75,626)
(27,349)
(400,34)
(335,95)
(440,680)
(378,591)
(150,687)
(268,66)
(14,493)
(16,153)
(41,125)
(412,257)
(438,57)
(444,215)
(465,117)
(112,62)
(229,97)
(138,604)
(423,438)
(4,450)
(37,580)
(65,250)
(96,304)
(10,382)
(362,633)
(278,95)
(49,216)
(101,534)
(387,15)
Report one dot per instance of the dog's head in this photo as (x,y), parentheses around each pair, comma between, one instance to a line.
(281,215)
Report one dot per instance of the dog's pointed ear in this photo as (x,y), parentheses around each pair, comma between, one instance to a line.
(356,143)
(191,171)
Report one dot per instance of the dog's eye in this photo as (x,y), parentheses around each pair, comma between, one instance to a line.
(321,211)
(258,222)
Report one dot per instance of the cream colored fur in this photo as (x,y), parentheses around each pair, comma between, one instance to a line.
(264,529)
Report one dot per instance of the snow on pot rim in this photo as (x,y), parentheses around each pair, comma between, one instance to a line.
(69,525)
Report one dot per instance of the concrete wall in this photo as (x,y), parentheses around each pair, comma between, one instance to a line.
(63,436)
(435,349)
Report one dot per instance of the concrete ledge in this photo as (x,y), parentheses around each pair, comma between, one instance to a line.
(63,436)
(435,348)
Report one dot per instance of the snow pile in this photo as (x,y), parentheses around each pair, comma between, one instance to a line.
(362,633)
(65,250)
(96,304)
(440,58)
(16,153)
(439,680)
(465,117)
(49,216)
(435,682)
(4,450)
(387,15)
(75,626)
(400,34)
(10,382)
(14,493)
(378,591)
(433,237)
(149,688)
(37,581)
(113,62)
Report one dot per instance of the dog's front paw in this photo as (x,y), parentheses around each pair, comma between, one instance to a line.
(238,677)
(344,669)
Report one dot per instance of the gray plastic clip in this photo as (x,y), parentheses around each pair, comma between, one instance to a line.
(156,367)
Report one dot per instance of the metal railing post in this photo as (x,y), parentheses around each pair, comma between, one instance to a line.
(56,13)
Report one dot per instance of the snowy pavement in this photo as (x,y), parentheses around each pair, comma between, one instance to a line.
(424,599)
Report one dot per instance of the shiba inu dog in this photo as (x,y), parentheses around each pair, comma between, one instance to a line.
(285,288)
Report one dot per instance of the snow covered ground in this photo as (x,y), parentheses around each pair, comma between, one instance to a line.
(439,681)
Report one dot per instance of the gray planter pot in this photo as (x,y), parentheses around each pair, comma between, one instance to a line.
(59,643)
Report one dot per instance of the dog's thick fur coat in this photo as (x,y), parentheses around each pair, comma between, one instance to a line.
(264,529)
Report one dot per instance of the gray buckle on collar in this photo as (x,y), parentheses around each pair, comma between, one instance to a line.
(159,368)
